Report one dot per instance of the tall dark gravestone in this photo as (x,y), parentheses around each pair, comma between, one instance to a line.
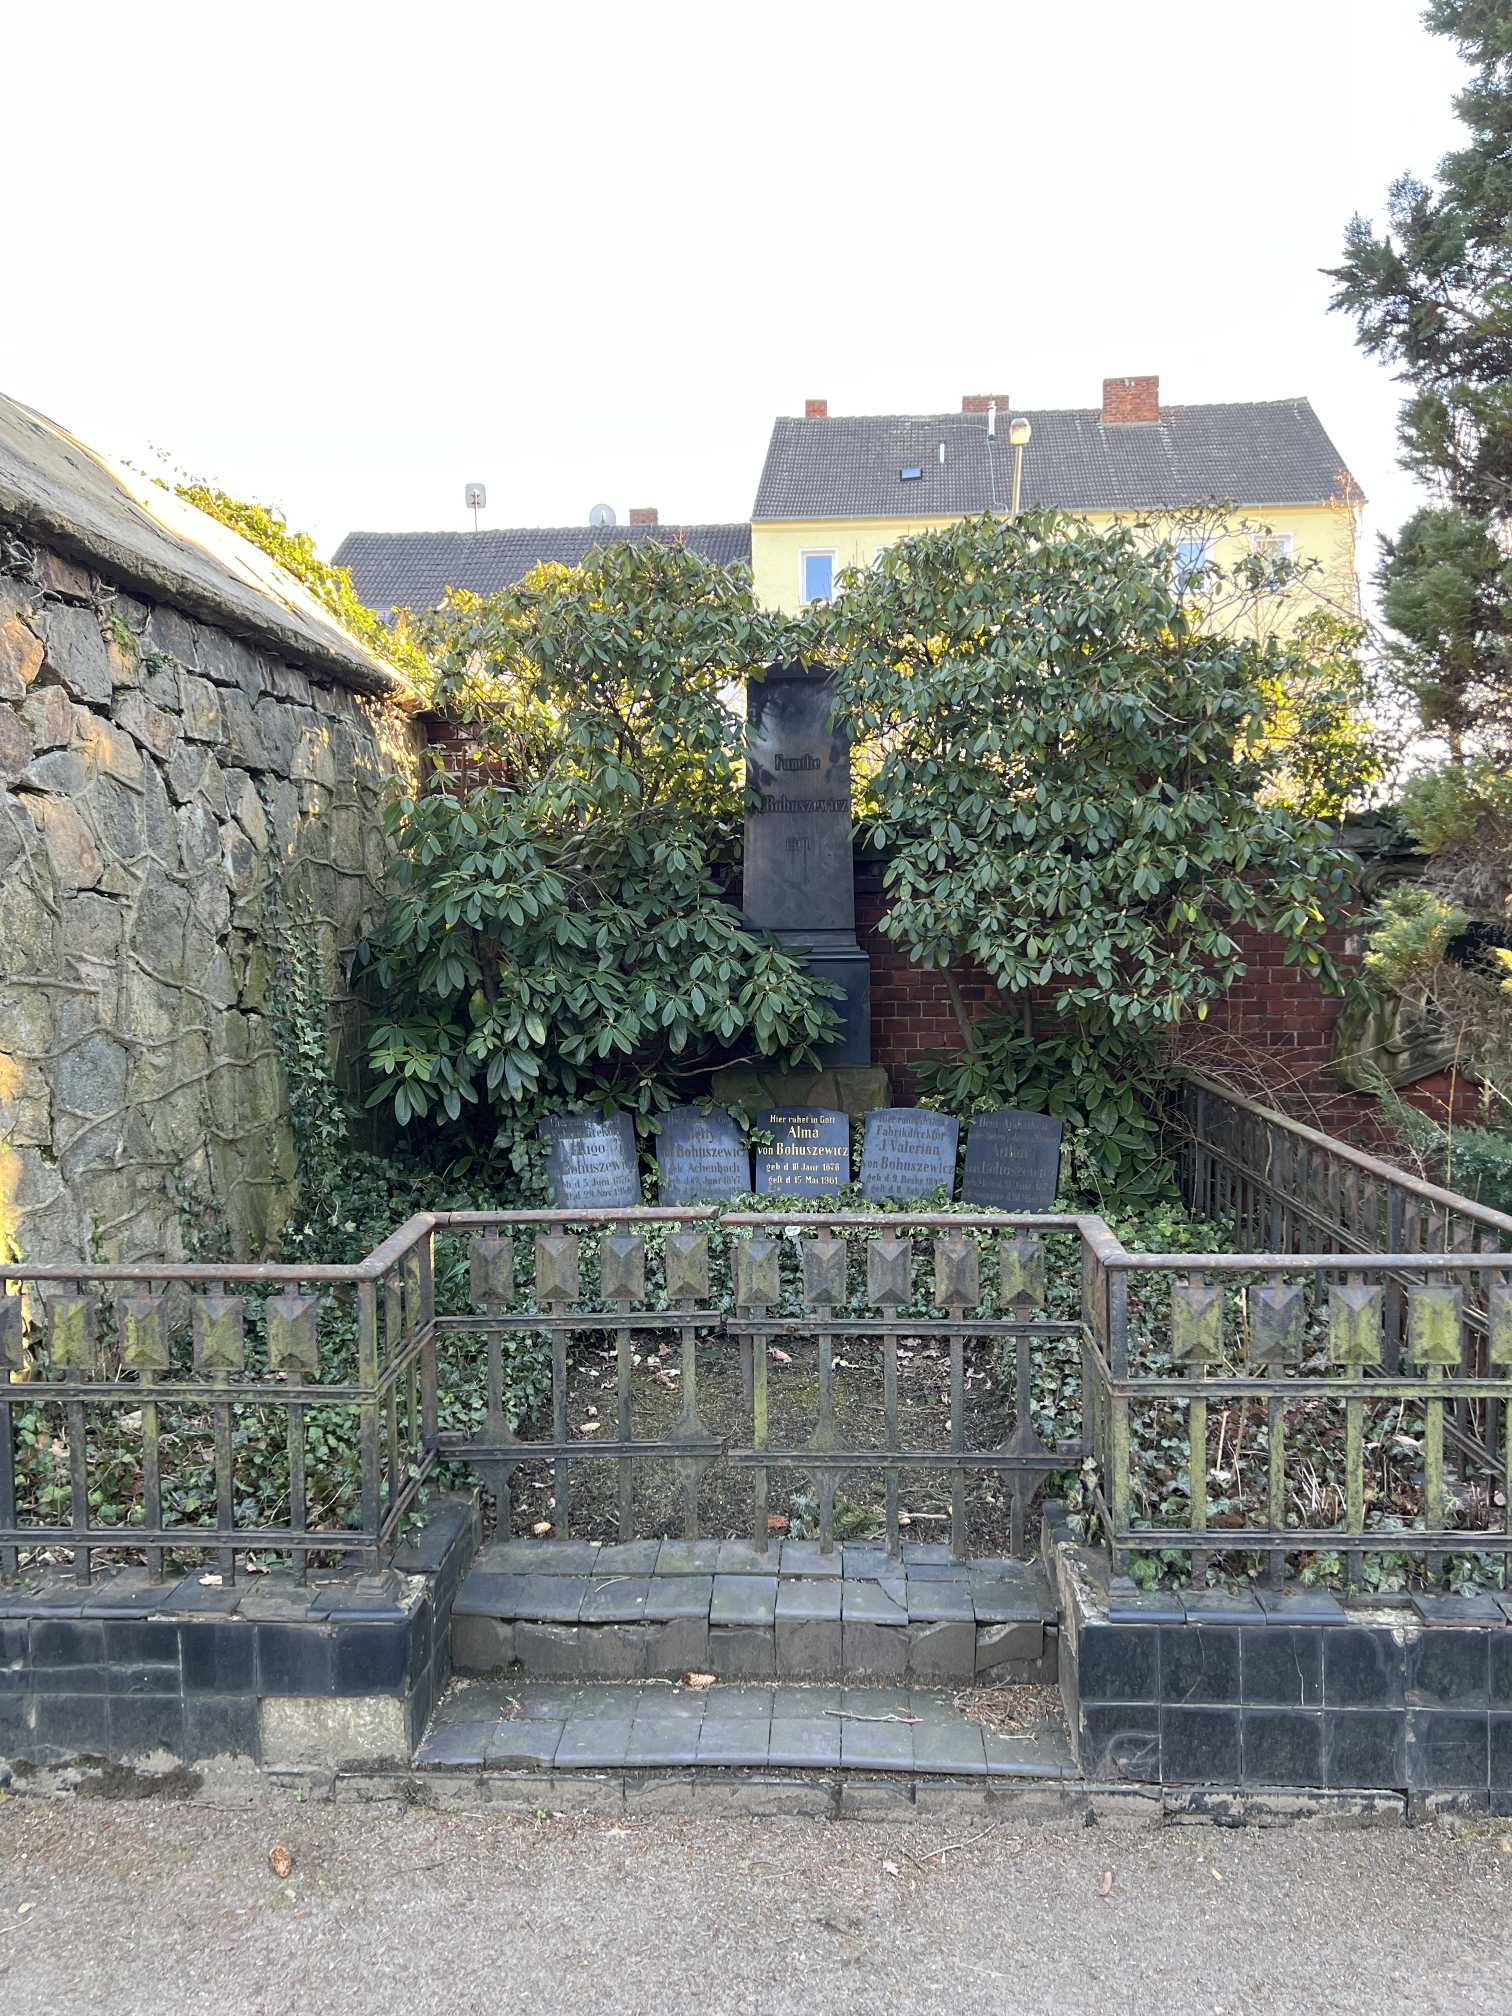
(907,1153)
(809,1154)
(799,877)
(591,1162)
(1012,1161)
(702,1158)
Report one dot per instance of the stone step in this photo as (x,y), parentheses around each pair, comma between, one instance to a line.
(534,1726)
(656,1609)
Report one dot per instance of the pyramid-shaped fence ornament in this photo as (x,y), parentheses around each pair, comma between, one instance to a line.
(293,1334)
(1277,1316)
(12,1333)
(1433,1325)
(72,1340)
(622,1267)
(825,1271)
(491,1271)
(144,1333)
(1196,1323)
(1498,1325)
(1355,1318)
(1021,1273)
(558,1267)
(889,1270)
(757,1276)
(957,1271)
(687,1266)
(220,1335)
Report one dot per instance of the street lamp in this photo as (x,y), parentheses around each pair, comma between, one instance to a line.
(1019,431)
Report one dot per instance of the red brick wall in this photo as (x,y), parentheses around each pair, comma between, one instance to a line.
(1271,1033)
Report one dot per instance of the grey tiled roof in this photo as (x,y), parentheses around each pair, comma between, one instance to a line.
(1270,452)
(412,570)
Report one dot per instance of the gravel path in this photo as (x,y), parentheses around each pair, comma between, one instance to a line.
(159,1909)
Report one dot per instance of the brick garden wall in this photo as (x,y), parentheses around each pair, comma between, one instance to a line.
(1272,1032)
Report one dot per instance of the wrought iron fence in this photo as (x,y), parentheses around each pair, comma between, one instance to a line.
(1207,1390)
(1265,1367)
(754,1283)
(1364,1300)
(175,1362)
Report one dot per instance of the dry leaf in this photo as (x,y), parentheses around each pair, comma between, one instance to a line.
(777,1522)
(211,1581)
(699,1681)
(1105,1888)
(780,1357)
(541,1528)
(280,1861)
(890,1868)
(589,1427)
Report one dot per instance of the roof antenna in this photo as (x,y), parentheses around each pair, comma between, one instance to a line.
(475,496)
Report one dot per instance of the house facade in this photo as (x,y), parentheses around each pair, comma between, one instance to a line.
(837,490)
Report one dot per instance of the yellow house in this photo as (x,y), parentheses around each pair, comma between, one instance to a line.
(837,489)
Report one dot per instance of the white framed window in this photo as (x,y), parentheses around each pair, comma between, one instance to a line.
(816,575)
(1192,555)
(1274,549)
(1273,546)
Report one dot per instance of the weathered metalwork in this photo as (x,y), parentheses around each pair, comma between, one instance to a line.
(1367,1290)
(211,1343)
(1352,1290)
(559,1310)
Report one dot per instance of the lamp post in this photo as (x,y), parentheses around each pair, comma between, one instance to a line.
(1019,431)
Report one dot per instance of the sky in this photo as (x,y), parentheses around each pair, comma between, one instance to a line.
(347,259)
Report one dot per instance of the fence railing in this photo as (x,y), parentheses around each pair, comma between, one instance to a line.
(1252,1411)
(851,1286)
(1314,1395)
(1340,1387)
(138,1390)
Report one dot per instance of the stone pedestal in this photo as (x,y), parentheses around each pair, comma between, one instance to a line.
(799,877)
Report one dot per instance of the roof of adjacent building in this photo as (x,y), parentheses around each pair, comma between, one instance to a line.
(1262,453)
(413,570)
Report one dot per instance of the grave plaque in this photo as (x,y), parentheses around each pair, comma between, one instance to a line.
(809,1155)
(908,1152)
(799,879)
(702,1158)
(591,1162)
(1012,1161)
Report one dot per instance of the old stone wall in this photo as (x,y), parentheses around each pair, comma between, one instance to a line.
(174,800)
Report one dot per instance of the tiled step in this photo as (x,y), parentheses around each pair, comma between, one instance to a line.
(656,1609)
(494,1725)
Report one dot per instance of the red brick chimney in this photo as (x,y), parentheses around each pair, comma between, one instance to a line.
(816,409)
(642,514)
(978,402)
(1126,399)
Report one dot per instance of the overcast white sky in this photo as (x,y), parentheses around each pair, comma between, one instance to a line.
(345,258)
